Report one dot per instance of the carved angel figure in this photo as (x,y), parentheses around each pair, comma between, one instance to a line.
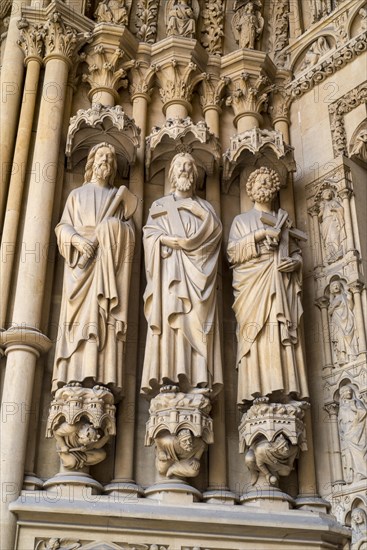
(181,18)
(331,218)
(343,325)
(179,455)
(247,23)
(112,11)
(352,422)
(316,51)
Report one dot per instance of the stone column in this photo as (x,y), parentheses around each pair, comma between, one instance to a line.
(281,124)
(322,304)
(11,94)
(336,470)
(123,482)
(32,45)
(345,195)
(60,42)
(247,121)
(357,289)
(316,237)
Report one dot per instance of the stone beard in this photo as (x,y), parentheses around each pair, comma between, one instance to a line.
(182,244)
(93,317)
(267,303)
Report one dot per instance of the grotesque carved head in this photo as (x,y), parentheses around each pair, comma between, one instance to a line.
(101,162)
(262,185)
(185,439)
(183,173)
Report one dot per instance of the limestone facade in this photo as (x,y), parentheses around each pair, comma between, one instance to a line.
(139,409)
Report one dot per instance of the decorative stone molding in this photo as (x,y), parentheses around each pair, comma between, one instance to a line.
(146,20)
(31,39)
(213,88)
(248,95)
(249,146)
(177,86)
(87,128)
(212,26)
(180,426)
(182,135)
(61,39)
(337,60)
(103,72)
(337,112)
(142,79)
(55,543)
(81,420)
(279,29)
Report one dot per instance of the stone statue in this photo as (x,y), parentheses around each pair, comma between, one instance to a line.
(271,458)
(247,24)
(360,146)
(55,543)
(331,217)
(359,528)
(80,445)
(179,455)
(267,286)
(180,19)
(342,321)
(112,11)
(320,8)
(316,51)
(352,422)
(97,242)
(182,242)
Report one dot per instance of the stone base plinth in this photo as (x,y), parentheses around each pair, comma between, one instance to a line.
(173,492)
(174,526)
(220,496)
(73,485)
(269,498)
(124,488)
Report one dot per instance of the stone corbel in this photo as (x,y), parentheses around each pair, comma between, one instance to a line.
(182,135)
(82,420)
(254,148)
(88,127)
(271,436)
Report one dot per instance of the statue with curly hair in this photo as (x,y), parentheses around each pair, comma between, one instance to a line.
(182,239)
(267,282)
(96,239)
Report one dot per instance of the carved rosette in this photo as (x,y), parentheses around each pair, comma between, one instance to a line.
(181,428)
(88,127)
(81,420)
(271,435)
(247,147)
(182,135)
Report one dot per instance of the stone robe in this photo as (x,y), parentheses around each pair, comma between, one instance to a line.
(181,21)
(180,300)
(332,229)
(352,421)
(93,317)
(268,311)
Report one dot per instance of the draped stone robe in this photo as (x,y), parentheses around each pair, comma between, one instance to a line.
(183,343)
(93,317)
(268,311)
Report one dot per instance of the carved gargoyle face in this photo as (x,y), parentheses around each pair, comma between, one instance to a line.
(186,442)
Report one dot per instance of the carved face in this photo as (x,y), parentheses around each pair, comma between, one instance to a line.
(183,173)
(327,194)
(262,189)
(87,434)
(103,162)
(346,393)
(282,446)
(335,287)
(186,443)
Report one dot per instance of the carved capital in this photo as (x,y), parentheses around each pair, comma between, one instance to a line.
(332,409)
(212,26)
(103,72)
(142,80)
(31,40)
(61,40)
(248,95)
(176,82)
(314,210)
(81,420)
(356,287)
(345,194)
(323,302)
(213,88)
(146,21)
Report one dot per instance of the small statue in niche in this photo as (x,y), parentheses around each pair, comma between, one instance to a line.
(359,528)
(360,146)
(182,239)
(247,23)
(267,279)
(271,458)
(316,51)
(342,323)
(181,18)
(352,422)
(331,218)
(179,455)
(97,241)
(112,11)
(80,445)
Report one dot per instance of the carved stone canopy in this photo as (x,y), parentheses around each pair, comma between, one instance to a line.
(88,127)
(182,135)
(255,148)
